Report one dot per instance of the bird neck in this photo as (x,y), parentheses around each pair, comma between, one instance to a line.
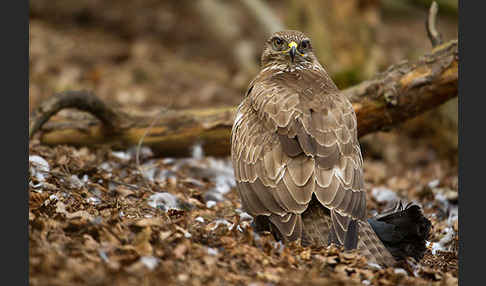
(291,67)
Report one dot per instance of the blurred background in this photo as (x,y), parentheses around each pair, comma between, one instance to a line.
(148,55)
(198,53)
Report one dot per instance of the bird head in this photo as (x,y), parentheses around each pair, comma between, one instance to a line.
(288,48)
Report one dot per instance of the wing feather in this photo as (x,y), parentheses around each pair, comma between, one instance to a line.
(289,143)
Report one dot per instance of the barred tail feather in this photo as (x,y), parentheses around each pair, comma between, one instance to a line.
(317,221)
(371,247)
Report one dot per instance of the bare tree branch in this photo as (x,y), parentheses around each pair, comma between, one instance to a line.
(403,91)
(430,25)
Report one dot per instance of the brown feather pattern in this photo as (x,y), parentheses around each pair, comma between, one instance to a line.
(295,138)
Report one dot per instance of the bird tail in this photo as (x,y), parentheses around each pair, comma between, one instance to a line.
(403,230)
(371,247)
(317,221)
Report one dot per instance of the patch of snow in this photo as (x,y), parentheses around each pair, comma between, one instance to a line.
(199,219)
(366,282)
(149,261)
(384,195)
(164,201)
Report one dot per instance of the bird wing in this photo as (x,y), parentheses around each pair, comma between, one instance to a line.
(287,145)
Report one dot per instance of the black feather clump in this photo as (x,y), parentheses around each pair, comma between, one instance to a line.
(403,230)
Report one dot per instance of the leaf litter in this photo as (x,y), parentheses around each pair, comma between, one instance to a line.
(179,221)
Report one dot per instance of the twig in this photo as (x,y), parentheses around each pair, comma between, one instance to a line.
(139,146)
(430,25)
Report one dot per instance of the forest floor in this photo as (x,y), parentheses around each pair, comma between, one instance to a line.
(99,216)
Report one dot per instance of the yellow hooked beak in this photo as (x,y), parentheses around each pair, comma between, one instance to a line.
(292,50)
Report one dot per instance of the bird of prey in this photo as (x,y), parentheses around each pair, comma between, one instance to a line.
(298,163)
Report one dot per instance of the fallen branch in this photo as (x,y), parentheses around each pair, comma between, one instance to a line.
(401,92)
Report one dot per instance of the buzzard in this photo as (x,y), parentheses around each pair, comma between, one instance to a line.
(298,163)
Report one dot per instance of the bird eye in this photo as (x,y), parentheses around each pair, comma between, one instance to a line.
(304,45)
(277,43)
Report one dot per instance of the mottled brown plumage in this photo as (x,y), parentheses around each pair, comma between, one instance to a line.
(296,154)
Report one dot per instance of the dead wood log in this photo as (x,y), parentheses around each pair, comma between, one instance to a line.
(399,93)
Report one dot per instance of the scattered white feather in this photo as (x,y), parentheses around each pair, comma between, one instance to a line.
(415,267)
(199,219)
(212,251)
(40,168)
(103,255)
(164,201)
(210,204)
(152,172)
(168,161)
(384,195)
(124,156)
(374,265)
(244,216)
(433,184)
(106,166)
(444,243)
(197,152)
(224,175)
(219,222)
(279,246)
(75,182)
(149,261)
(93,200)
(400,271)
